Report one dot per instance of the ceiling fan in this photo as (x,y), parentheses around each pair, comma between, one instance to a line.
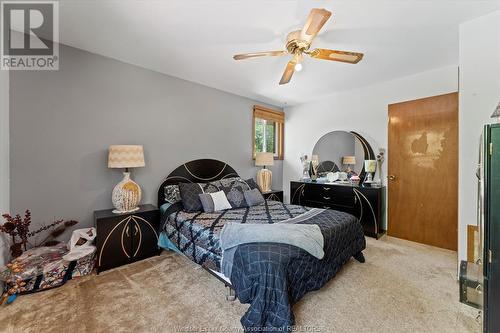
(299,42)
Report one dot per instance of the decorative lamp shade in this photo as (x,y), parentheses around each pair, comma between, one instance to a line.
(264,159)
(496,113)
(126,156)
(370,165)
(349,160)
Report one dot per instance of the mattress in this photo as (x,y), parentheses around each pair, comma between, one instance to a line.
(196,234)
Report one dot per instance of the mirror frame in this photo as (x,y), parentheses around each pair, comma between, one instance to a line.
(368,151)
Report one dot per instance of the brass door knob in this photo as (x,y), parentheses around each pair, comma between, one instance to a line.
(392,177)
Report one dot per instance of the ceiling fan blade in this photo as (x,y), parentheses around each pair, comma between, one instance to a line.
(334,55)
(259,54)
(317,18)
(287,74)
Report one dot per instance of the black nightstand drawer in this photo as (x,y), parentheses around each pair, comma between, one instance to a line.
(125,238)
(274,195)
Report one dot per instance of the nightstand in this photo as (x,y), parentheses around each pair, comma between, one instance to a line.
(273,195)
(125,238)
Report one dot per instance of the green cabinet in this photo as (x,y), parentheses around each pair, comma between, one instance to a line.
(492,228)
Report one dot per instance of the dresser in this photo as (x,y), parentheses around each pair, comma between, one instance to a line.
(366,203)
(125,238)
(275,195)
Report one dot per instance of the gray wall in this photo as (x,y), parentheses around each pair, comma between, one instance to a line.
(62,123)
(4,155)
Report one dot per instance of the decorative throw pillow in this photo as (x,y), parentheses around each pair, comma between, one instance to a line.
(234,188)
(254,197)
(252,184)
(207,202)
(209,187)
(190,194)
(220,201)
(172,194)
(213,202)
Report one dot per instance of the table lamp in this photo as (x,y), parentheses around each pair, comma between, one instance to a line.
(126,194)
(370,168)
(264,176)
(349,160)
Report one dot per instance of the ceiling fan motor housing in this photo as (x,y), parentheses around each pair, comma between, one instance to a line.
(295,43)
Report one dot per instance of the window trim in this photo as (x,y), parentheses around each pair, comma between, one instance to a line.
(276,116)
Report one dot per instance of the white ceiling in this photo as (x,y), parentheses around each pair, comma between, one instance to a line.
(195,40)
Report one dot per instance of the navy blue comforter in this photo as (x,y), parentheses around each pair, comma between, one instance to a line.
(272,277)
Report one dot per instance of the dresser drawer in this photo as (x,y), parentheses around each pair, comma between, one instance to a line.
(326,205)
(365,203)
(330,195)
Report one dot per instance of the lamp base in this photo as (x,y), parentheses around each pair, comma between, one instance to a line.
(264,179)
(126,195)
(116,211)
(368,178)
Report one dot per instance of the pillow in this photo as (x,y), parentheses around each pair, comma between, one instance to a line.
(254,197)
(252,184)
(207,202)
(234,188)
(190,195)
(209,187)
(172,194)
(213,202)
(220,201)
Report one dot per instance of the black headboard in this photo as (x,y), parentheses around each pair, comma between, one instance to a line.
(197,171)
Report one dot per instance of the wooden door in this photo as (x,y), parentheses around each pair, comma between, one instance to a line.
(423,171)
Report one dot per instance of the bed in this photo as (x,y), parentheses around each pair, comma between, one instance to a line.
(271,277)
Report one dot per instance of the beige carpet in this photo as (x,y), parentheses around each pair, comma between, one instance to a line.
(402,287)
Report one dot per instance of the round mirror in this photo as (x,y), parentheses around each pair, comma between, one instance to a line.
(340,151)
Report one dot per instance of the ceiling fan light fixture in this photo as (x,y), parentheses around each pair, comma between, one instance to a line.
(298,44)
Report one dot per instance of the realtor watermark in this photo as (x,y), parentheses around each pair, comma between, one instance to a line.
(234,329)
(29,35)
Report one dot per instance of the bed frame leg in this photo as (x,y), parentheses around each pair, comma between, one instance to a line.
(231,294)
(359,257)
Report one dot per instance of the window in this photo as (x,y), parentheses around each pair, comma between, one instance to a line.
(268,126)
